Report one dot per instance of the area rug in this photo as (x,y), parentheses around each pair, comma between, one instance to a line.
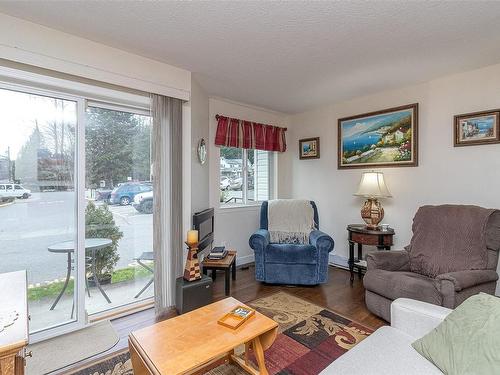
(310,338)
(62,351)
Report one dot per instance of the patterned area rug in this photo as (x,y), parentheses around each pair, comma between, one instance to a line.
(310,338)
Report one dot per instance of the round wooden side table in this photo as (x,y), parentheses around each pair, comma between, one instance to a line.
(361,235)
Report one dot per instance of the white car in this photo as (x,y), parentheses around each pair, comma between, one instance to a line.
(224,183)
(236,184)
(143,202)
(14,191)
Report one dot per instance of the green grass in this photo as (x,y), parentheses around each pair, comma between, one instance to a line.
(129,273)
(52,290)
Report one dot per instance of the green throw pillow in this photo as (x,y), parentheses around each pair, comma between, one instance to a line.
(468,340)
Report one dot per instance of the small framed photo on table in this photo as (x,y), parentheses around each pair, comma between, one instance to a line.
(477,128)
(309,148)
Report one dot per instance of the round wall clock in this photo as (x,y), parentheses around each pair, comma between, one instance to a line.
(202,151)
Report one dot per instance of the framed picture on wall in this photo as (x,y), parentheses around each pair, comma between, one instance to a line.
(477,128)
(309,148)
(386,138)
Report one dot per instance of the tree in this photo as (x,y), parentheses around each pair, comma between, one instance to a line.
(141,154)
(109,146)
(27,158)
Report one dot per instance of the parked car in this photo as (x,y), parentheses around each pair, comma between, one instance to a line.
(14,191)
(236,184)
(143,202)
(124,194)
(103,195)
(224,183)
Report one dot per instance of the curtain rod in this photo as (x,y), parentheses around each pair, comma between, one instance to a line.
(217,118)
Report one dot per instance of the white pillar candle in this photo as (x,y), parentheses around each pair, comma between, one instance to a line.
(192,237)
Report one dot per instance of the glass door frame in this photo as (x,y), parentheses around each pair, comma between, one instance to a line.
(79,172)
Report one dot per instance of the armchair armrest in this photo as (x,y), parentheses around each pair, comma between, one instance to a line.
(259,240)
(466,279)
(321,241)
(389,260)
(416,318)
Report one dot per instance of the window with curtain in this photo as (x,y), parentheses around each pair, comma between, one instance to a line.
(245,176)
(247,154)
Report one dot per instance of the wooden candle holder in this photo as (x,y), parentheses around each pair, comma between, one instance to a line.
(192,270)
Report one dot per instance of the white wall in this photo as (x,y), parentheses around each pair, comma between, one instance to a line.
(234,225)
(199,129)
(30,43)
(446,174)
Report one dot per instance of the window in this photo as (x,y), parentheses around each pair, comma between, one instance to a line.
(118,163)
(245,176)
(38,144)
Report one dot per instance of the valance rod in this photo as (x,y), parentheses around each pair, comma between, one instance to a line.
(217,118)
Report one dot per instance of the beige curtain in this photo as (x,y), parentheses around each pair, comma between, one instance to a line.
(167,187)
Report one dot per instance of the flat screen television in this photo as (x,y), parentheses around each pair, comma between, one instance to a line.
(203,222)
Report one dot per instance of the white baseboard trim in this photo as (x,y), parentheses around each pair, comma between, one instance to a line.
(338,261)
(244,259)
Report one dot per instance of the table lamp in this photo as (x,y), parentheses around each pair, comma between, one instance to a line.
(372,186)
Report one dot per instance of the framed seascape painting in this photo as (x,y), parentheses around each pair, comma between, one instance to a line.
(387,138)
(477,128)
(309,148)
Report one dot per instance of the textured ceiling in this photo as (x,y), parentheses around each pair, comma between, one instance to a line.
(288,56)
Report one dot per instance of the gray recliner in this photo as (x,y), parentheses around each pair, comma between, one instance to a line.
(453,254)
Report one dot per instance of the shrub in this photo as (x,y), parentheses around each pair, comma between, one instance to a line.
(99,223)
(5,200)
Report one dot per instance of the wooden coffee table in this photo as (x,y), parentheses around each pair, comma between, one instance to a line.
(189,343)
(227,264)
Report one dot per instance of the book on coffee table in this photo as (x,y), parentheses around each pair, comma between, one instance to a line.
(236,317)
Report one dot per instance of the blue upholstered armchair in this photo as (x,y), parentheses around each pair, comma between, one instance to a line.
(279,263)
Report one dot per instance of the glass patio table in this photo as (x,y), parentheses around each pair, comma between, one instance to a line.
(68,247)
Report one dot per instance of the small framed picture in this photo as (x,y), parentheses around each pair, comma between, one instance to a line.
(309,148)
(477,128)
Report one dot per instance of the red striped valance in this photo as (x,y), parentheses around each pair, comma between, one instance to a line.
(233,132)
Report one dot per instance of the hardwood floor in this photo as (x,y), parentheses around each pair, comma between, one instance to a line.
(336,295)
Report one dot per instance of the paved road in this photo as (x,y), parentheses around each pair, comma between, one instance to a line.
(29,226)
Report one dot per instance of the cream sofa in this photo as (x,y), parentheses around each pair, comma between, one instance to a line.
(388,350)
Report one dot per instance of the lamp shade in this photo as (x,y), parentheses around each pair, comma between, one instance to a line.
(372,185)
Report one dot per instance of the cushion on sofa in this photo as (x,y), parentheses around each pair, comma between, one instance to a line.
(387,351)
(291,254)
(468,340)
(393,285)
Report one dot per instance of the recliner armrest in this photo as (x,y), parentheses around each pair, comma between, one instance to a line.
(468,278)
(321,241)
(416,318)
(389,260)
(259,240)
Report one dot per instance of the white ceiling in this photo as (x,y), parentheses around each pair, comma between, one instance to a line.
(288,56)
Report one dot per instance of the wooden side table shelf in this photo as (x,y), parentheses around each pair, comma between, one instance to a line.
(359,234)
(227,264)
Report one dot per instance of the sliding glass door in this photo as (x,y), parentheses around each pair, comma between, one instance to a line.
(38,201)
(119,207)
(76,202)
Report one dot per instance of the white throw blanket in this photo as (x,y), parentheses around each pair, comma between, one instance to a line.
(290,220)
